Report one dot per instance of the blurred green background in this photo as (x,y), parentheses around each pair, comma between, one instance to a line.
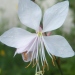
(10,65)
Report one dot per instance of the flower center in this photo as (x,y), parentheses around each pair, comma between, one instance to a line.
(39,34)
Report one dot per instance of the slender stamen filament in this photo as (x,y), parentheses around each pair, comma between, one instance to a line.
(40,55)
(53,61)
(45,66)
(31,63)
(54,57)
(28,65)
(35,64)
(39,73)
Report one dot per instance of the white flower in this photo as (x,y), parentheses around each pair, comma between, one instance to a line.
(31,45)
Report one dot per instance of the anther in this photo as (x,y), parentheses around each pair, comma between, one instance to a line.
(28,65)
(53,61)
(35,64)
(54,57)
(45,66)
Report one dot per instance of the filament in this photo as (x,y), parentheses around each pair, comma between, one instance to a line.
(35,64)
(28,65)
(53,61)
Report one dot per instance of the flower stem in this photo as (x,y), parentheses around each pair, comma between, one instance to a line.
(58,64)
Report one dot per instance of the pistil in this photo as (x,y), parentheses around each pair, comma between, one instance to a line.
(39,34)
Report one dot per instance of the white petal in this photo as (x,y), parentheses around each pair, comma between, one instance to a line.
(17,37)
(29,55)
(58,46)
(55,16)
(27,48)
(29,14)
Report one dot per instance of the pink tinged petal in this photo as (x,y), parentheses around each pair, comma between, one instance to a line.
(17,37)
(29,14)
(40,30)
(29,55)
(55,16)
(58,46)
(26,48)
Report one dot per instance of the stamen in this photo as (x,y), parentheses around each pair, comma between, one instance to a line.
(39,73)
(53,61)
(45,65)
(47,68)
(35,64)
(54,57)
(33,61)
(28,65)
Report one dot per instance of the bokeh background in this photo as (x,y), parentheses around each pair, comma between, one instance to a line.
(10,65)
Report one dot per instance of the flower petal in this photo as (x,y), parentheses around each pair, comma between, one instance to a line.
(58,46)
(55,16)
(29,54)
(29,14)
(27,48)
(17,37)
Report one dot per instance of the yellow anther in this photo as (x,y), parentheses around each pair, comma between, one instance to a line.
(35,64)
(54,57)
(45,66)
(28,65)
(53,61)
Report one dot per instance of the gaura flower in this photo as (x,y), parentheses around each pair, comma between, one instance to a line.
(32,45)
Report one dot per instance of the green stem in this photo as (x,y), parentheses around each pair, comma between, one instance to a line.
(59,67)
